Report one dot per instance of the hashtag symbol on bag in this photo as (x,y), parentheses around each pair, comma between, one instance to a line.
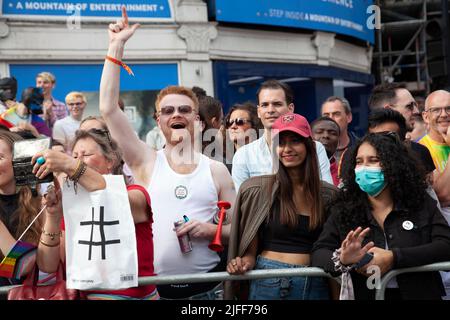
(101,224)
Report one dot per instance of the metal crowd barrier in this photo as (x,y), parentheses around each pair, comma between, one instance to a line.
(440,266)
(264,274)
(221,276)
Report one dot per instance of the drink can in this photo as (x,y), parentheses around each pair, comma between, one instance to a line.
(184,241)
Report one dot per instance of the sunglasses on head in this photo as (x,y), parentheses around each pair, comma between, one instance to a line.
(101,132)
(390,134)
(239,122)
(169,110)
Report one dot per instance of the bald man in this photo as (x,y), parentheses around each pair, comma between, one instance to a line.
(437,117)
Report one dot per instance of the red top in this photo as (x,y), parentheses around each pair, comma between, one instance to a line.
(334,171)
(144,243)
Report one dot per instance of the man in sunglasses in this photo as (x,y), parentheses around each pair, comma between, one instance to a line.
(274,99)
(389,120)
(394,96)
(180,180)
(64,129)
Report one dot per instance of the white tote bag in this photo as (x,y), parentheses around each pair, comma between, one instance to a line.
(100,237)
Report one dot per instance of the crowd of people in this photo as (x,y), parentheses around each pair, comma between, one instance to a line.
(300,195)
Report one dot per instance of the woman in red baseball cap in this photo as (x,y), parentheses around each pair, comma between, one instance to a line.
(278,217)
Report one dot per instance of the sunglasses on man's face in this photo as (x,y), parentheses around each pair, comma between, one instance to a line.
(411,106)
(239,122)
(169,110)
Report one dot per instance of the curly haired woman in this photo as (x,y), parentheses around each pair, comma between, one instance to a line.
(384,211)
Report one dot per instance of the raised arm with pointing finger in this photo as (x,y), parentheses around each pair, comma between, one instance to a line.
(116,120)
(180,180)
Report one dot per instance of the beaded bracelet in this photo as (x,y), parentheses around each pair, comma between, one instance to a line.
(82,171)
(79,171)
(52,235)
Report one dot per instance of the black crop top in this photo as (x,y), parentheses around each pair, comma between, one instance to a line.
(8,205)
(281,238)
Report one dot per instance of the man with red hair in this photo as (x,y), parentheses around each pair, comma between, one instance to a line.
(180,180)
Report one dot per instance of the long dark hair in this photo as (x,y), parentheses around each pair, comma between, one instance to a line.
(28,205)
(310,177)
(228,145)
(248,107)
(404,176)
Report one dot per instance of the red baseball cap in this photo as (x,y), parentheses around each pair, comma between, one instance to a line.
(291,122)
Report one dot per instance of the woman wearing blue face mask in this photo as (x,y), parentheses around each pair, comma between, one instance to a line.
(383,218)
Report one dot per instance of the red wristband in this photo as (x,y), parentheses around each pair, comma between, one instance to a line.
(120,63)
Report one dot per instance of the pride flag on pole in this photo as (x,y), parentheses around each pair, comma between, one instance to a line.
(18,258)
(10,118)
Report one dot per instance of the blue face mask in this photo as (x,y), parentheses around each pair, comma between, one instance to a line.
(370,180)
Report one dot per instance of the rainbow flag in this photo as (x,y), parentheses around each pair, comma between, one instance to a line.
(10,118)
(17,259)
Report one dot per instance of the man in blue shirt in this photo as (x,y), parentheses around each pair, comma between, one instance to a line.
(274,99)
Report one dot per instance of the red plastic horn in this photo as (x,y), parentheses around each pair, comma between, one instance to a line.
(216,243)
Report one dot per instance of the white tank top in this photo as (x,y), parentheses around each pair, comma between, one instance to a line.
(172,196)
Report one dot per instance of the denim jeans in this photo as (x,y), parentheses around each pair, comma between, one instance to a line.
(286,288)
